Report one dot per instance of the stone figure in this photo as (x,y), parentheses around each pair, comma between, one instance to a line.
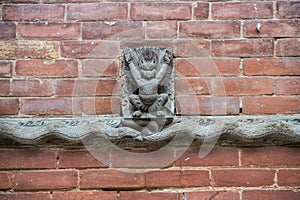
(147,83)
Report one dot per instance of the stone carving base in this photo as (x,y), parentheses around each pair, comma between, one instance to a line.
(230,131)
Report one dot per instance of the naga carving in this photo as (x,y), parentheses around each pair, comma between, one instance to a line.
(147,83)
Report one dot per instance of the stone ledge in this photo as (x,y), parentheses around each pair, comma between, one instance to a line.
(225,130)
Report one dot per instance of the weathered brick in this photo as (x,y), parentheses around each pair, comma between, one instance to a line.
(242,177)
(243,86)
(288,47)
(193,105)
(46,179)
(177,178)
(138,43)
(28,49)
(161,29)
(270,156)
(224,195)
(271,105)
(217,157)
(270,194)
(7,30)
(100,68)
(148,195)
(289,177)
(103,49)
(27,159)
(82,159)
(160,11)
(191,48)
(5,69)
(9,106)
(25,196)
(287,86)
(272,66)
(31,88)
(111,179)
(209,29)
(193,86)
(201,10)
(243,48)
(49,106)
(207,66)
(242,10)
(288,9)
(4,87)
(44,68)
(6,180)
(113,30)
(272,28)
(105,105)
(34,12)
(97,11)
(48,31)
(89,195)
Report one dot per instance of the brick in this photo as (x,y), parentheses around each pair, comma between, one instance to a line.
(89,195)
(207,67)
(6,180)
(28,49)
(242,10)
(288,47)
(242,177)
(142,159)
(289,85)
(7,30)
(160,11)
(34,12)
(191,48)
(289,177)
(272,28)
(153,42)
(44,68)
(4,87)
(148,195)
(201,10)
(161,29)
(243,48)
(113,30)
(88,87)
(100,68)
(27,159)
(82,159)
(193,86)
(103,49)
(31,88)
(46,179)
(272,66)
(9,106)
(242,86)
(49,106)
(97,11)
(224,195)
(100,105)
(5,69)
(270,156)
(209,29)
(217,157)
(193,105)
(270,194)
(25,196)
(288,9)
(49,31)
(111,179)
(177,178)
(271,105)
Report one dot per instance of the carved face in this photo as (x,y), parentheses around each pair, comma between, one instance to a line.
(148,74)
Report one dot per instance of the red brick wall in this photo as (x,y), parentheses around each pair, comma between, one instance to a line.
(62,58)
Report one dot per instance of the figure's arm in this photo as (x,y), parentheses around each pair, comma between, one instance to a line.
(133,68)
(163,70)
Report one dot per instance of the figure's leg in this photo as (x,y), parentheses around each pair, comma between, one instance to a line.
(137,104)
(162,99)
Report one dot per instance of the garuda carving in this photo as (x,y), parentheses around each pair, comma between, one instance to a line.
(147,83)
